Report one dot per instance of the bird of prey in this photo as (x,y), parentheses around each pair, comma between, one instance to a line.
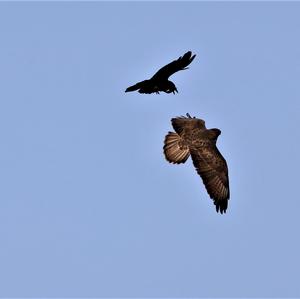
(159,82)
(192,138)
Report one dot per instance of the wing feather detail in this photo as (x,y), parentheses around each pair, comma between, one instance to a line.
(212,168)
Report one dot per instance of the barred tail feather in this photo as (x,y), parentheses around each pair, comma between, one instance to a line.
(174,149)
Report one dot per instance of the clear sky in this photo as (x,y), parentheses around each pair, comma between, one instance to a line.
(88,204)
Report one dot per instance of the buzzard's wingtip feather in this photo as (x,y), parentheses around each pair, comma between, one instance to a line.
(221,207)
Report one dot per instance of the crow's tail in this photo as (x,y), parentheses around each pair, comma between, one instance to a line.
(135,87)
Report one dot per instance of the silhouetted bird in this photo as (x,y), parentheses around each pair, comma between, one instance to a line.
(192,138)
(159,82)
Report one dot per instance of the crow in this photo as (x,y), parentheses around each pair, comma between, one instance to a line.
(159,82)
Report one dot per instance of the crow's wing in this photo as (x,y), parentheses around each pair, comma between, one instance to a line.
(177,65)
(212,168)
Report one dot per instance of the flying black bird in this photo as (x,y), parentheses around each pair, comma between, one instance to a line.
(159,82)
(192,138)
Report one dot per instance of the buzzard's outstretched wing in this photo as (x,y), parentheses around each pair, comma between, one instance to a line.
(212,168)
(177,65)
(187,122)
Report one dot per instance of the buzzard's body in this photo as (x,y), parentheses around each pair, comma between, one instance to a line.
(192,138)
(159,82)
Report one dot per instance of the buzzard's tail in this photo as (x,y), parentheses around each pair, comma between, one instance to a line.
(175,149)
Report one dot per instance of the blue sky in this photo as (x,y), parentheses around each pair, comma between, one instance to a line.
(89,207)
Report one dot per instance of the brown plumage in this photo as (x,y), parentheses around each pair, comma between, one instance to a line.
(159,82)
(192,138)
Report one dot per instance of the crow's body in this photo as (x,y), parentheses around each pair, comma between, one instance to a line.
(192,138)
(159,82)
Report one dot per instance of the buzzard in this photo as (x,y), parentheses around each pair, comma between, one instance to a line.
(192,138)
(159,82)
